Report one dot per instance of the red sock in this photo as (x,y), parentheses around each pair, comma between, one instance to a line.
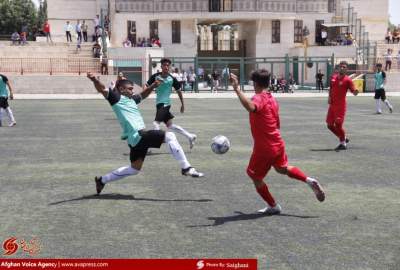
(264,193)
(334,130)
(340,132)
(296,173)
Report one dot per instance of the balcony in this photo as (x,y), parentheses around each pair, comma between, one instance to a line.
(205,6)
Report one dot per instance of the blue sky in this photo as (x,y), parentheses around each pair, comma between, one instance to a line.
(394,10)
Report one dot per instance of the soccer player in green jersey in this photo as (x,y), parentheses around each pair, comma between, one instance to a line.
(124,104)
(163,100)
(380,94)
(4,82)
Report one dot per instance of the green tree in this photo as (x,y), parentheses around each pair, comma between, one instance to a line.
(42,14)
(15,14)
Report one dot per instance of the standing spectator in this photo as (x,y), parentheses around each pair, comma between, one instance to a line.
(104,64)
(388,60)
(46,31)
(84,27)
(191,77)
(388,36)
(24,34)
(68,28)
(78,45)
(4,83)
(78,30)
(96,22)
(215,81)
(132,34)
(320,81)
(200,73)
(106,23)
(324,36)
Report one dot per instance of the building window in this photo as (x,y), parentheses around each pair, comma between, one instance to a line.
(276,31)
(318,30)
(132,32)
(205,37)
(298,31)
(176,31)
(331,6)
(154,29)
(224,38)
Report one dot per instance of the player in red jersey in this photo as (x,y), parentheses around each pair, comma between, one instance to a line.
(340,84)
(269,147)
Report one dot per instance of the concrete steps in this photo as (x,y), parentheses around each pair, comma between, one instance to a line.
(393,81)
(56,84)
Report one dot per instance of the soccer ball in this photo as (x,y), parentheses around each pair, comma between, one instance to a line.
(220,144)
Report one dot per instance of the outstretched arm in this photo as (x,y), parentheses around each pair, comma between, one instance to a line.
(247,103)
(97,84)
(147,90)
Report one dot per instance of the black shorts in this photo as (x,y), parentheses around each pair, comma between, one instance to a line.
(380,94)
(4,102)
(163,114)
(150,139)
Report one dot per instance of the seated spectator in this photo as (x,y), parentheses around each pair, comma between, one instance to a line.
(147,42)
(388,36)
(15,38)
(156,42)
(139,42)
(348,39)
(396,36)
(96,50)
(127,43)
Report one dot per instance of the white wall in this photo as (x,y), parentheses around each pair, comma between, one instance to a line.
(187,47)
(60,11)
(374,15)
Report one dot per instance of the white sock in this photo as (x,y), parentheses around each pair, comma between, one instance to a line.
(310,180)
(180,130)
(156,125)
(176,150)
(10,115)
(343,143)
(388,104)
(119,174)
(378,105)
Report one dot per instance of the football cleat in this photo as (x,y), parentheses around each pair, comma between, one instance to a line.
(276,210)
(192,172)
(340,147)
(317,188)
(99,184)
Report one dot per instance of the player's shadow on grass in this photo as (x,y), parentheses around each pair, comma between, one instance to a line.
(116,196)
(323,150)
(242,216)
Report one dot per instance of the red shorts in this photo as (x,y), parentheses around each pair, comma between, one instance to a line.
(335,115)
(261,163)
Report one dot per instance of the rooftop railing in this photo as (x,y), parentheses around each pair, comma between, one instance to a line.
(181,6)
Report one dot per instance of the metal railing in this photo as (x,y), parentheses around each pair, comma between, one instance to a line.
(168,6)
(49,65)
